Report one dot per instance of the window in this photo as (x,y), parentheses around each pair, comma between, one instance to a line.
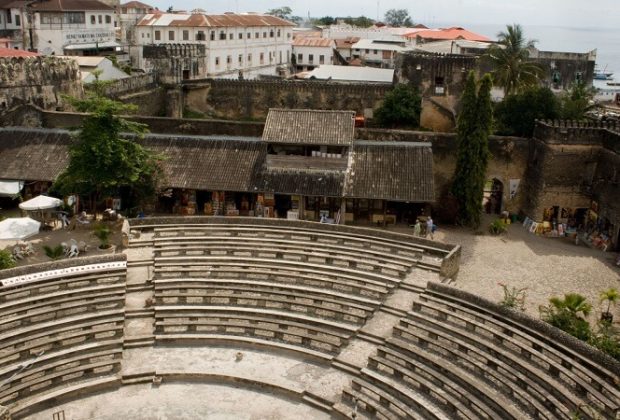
(148,35)
(185,35)
(18,21)
(248,35)
(367,51)
(271,33)
(222,36)
(280,58)
(374,51)
(228,59)
(93,19)
(230,36)
(212,36)
(288,35)
(108,19)
(217,61)
(250,59)
(321,59)
(300,57)
(170,35)
(157,35)
(100,19)
(240,59)
(142,34)
(262,58)
(264,34)
(9,18)
(256,35)
(279,33)
(439,85)
(240,35)
(310,58)
(200,36)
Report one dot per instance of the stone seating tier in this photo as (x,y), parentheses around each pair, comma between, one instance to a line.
(322,308)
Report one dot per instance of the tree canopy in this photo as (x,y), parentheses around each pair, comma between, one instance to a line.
(517,113)
(575,103)
(360,21)
(325,21)
(103,160)
(401,107)
(474,124)
(398,18)
(284,12)
(512,68)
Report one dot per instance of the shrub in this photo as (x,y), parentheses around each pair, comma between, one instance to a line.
(55,253)
(103,232)
(513,297)
(498,227)
(6,259)
(606,340)
(568,314)
(611,296)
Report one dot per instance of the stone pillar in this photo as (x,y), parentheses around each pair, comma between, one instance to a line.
(302,208)
(343,210)
(174,103)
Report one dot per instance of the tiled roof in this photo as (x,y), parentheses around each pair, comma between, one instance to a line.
(309,126)
(314,183)
(313,42)
(69,5)
(135,5)
(346,43)
(214,21)
(390,170)
(11,52)
(450,34)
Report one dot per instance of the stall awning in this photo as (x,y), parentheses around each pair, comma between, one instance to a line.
(10,188)
(92,46)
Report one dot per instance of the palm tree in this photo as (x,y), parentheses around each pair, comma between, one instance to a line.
(573,303)
(611,296)
(513,70)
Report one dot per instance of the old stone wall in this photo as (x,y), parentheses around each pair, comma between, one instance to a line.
(38,80)
(134,83)
(251,99)
(176,62)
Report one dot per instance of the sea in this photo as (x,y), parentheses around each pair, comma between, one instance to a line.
(606,41)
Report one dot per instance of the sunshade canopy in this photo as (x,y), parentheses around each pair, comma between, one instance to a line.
(41,202)
(16,228)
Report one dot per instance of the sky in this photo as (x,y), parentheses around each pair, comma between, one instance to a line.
(568,13)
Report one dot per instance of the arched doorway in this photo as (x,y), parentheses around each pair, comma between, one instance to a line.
(492,196)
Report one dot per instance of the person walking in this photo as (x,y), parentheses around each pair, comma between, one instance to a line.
(417,228)
(429,227)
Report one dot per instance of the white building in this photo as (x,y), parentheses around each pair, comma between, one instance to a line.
(106,70)
(312,52)
(74,27)
(12,24)
(248,44)
(350,74)
(378,53)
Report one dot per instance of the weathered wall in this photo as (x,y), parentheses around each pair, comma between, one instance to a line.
(150,102)
(251,99)
(176,62)
(38,80)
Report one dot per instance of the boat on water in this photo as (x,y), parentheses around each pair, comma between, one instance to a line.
(603,74)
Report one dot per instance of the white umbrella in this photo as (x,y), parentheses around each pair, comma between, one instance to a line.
(17,228)
(41,202)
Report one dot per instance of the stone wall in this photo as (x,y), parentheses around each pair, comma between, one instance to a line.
(176,62)
(134,83)
(38,80)
(251,99)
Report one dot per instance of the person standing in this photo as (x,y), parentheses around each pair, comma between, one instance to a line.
(429,227)
(417,228)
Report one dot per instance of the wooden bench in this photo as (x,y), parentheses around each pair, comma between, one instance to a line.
(493,365)
(598,376)
(275,272)
(549,365)
(266,299)
(331,259)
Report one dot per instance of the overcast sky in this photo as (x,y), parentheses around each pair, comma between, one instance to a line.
(572,13)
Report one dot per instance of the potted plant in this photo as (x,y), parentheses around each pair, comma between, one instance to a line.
(103,232)
(610,296)
(55,253)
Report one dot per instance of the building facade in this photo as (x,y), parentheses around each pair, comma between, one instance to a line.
(236,45)
(312,52)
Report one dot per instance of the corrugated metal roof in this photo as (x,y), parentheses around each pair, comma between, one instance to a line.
(212,21)
(309,126)
(372,44)
(313,42)
(69,5)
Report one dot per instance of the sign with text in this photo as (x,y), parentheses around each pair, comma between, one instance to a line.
(88,36)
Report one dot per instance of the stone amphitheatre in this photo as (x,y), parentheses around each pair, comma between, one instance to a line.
(246,318)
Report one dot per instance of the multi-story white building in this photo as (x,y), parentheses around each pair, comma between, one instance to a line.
(12,24)
(234,44)
(312,52)
(73,27)
(378,53)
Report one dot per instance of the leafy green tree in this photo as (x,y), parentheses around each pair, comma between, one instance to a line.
(568,314)
(102,161)
(472,135)
(398,18)
(576,102)
(516,114)
(286,13)
(513,70)
(401,107)
(325,21)
(361,21)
